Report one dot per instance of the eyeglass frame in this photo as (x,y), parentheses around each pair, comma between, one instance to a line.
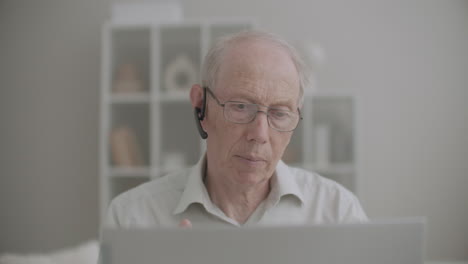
(202,114)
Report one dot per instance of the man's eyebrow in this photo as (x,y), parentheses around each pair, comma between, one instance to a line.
(283,103)
(242,97)
(246,98)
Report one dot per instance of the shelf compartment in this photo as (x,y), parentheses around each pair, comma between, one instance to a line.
(130,60)
(180,57)
(180,141)
(332,122)
(129,138)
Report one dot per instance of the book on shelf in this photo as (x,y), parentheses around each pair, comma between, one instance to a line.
(125,149)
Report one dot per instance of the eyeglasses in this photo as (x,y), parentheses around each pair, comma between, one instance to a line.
(243,113)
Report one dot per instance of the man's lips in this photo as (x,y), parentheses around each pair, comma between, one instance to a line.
(251,158)
(252,162)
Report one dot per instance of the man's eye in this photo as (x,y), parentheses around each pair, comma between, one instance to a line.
(279,114)
(240,107)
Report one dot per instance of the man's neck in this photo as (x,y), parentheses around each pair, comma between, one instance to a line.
(236,203)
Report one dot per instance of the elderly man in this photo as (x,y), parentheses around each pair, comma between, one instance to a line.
(247,108)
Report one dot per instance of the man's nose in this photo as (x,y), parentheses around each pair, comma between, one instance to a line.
(258,129)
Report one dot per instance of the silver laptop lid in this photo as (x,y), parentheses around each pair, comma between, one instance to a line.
(382,242)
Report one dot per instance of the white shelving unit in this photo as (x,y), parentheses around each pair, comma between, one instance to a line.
(147,125)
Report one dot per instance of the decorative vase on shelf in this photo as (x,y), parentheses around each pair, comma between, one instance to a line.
(180,74)
(126,151)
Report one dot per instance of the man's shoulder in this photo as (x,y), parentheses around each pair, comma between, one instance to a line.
(148,203)
(332,201)
(309,178)
(310,181)
(167,185)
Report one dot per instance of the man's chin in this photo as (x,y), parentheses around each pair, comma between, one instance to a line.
(252,177)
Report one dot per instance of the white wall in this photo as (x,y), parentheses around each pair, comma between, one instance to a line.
(49,77)
(407,61)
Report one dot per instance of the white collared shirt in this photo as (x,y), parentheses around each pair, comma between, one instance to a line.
(296,197)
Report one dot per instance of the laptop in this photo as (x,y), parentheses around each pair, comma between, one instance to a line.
(376,242)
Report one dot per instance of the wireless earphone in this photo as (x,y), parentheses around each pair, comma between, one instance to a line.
(200,115)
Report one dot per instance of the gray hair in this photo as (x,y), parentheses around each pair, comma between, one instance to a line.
(214,57)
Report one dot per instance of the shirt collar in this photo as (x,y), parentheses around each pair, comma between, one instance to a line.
(195,190)
(283,183)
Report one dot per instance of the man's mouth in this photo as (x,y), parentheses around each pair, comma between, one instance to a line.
(251,159)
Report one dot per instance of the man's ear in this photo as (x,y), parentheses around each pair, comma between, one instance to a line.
(197,100)
(196,96)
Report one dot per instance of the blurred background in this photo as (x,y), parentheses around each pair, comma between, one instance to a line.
(406,61)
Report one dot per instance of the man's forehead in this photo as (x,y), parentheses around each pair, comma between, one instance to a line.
(259,70)
(257,56)
(263,92)
(267,98)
